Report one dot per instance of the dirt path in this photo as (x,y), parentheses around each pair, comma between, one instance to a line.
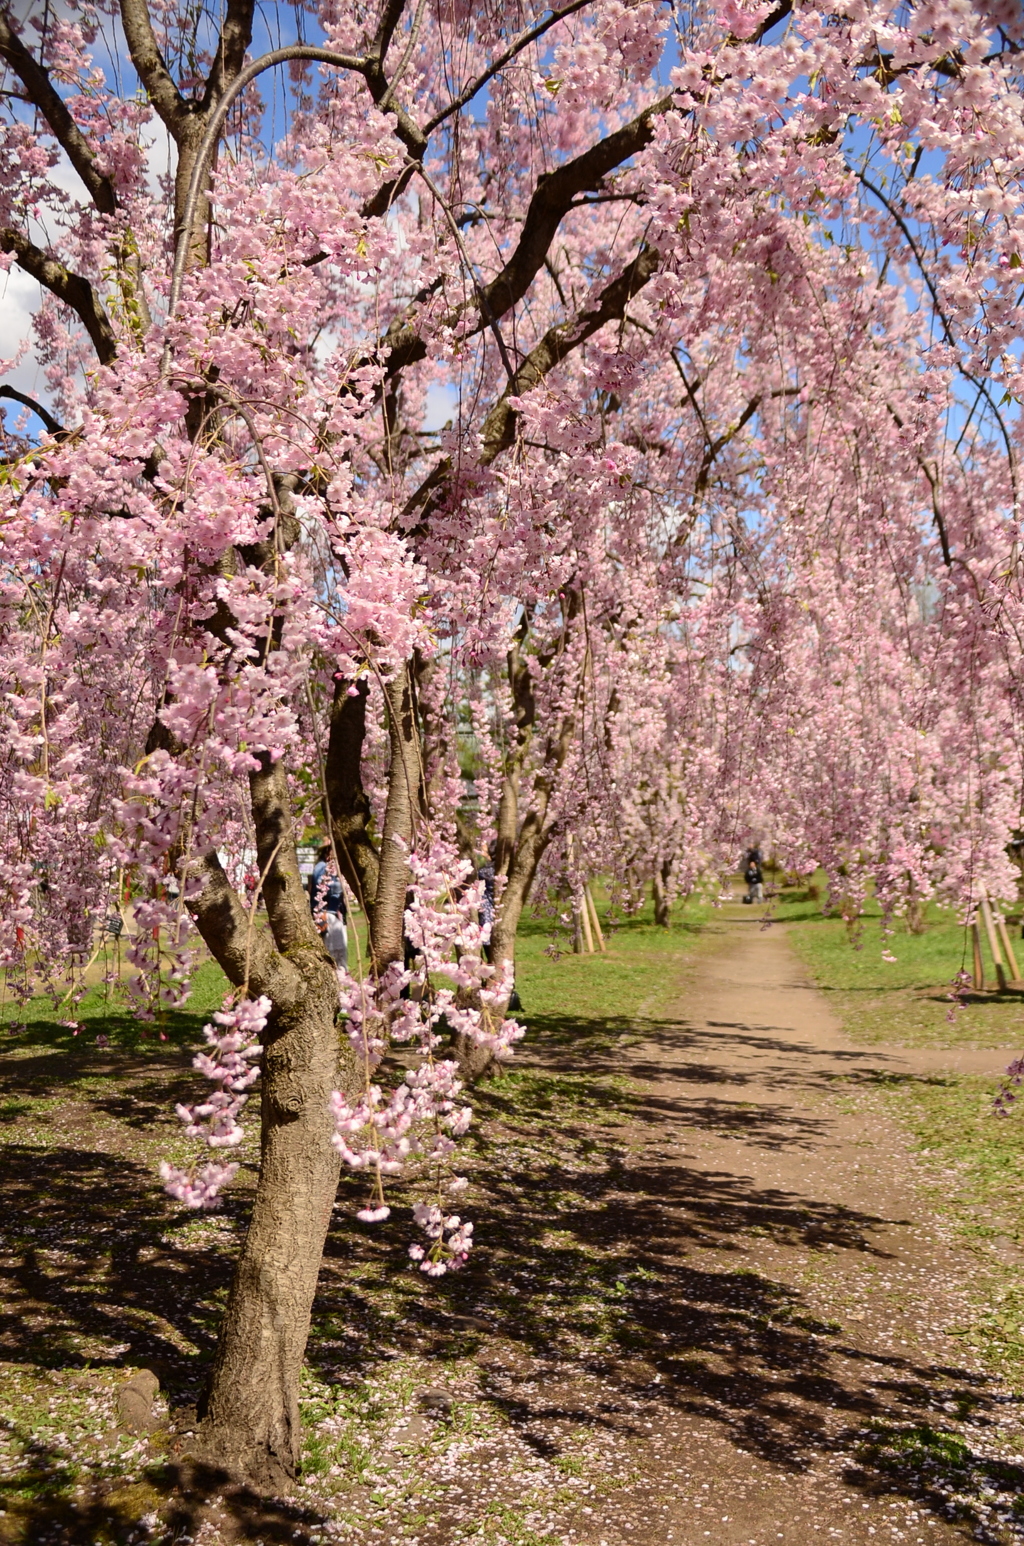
(812,1389)
(712,1304)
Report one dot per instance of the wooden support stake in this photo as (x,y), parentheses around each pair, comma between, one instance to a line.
(993,942)
(587,931)
(598,931)
(979,965)
(1004,940)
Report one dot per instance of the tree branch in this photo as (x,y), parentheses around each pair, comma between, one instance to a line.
(390,16)
(244,954)
(551,201)
(291,921)
(53,425)
(350,807)
(149,62)
(70,288)
(235,37)
(41,93)
(515,47)
(559,342)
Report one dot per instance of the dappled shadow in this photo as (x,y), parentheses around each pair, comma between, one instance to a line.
(585,1278)
(46,1504)
(91,1276)
(587,1304)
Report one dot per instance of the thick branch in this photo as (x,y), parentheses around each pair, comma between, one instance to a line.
(235,37)
(70,288)
(387,919)
(390,16)
(244,953)
(291,921)
(68,135)
(149,63)
(350,806)
(559,342)
(54,426)
(551,201)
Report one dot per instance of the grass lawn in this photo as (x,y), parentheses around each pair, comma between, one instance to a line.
(906,1000)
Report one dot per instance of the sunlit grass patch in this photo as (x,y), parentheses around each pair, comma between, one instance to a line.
(905,1001)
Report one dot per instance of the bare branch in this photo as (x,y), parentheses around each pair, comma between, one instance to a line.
(149,62)
(54,426)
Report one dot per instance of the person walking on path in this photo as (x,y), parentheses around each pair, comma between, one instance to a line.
(754,877)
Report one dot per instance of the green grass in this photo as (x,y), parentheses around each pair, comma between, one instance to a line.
(973,1162)
(40,1024)
(634,978)
(905,1001)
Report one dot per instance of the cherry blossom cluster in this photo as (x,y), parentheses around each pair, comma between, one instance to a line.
(234,1044)
(419,1121)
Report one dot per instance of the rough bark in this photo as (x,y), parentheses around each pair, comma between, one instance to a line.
(250,1421)
(349,805)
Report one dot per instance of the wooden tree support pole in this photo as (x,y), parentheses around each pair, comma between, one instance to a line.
(979,965)
(588,933)
(993,941)
(598,932)
(1004,940)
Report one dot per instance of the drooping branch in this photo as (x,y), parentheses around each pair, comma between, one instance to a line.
(524,39)
(193,189)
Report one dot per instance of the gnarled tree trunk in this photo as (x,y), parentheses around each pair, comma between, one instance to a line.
(250,1419)
(662,905)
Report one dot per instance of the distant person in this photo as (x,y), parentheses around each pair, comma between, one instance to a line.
(327,894)
(755,881)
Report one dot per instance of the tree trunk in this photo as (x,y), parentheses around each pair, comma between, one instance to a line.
(662,905)
(250,1421)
